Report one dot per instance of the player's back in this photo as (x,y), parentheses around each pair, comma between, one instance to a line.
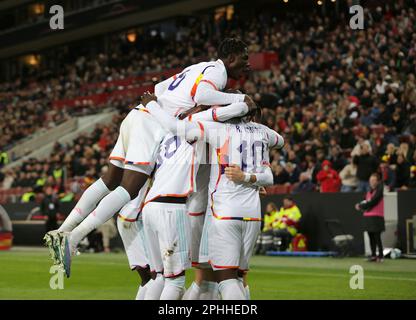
(179,95)
(246,145)
(176,168)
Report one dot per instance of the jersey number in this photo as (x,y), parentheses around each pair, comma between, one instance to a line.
(257,150)
(176,82)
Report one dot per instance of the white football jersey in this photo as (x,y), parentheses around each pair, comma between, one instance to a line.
(181,89)
(246,145)
(176,168)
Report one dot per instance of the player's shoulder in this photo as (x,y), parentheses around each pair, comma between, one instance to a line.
(262,126)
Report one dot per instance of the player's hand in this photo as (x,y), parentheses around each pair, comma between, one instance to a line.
(147,97)
(262,192)
(234,173)
(357,207)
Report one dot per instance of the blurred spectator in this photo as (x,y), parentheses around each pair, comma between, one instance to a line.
(50,208)
(28,196)
(108,231)
(328,178)
(293,172)
(286,223)
(280,175)
(366,165)
(265,239)
(388,175)
(305,184)
(402,172)
(348,177)
(337,159)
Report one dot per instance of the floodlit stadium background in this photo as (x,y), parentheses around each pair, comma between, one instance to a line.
(326,87)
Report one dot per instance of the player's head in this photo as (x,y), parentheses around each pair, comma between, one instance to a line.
(234,53)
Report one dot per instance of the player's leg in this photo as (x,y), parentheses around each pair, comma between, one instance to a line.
(242,276)
(224,253)
(251,230)
(131,233)
(154,287)
(208,284)
(206,281)
(100,188)
(197,223)
(174,242)
(131,183)
(91,196)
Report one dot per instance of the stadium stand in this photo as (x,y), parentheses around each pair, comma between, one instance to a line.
(331,91)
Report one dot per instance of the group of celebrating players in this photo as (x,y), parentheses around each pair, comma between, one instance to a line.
(184,177)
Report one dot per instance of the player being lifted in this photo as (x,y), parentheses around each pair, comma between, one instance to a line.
(133,157)
(234,204)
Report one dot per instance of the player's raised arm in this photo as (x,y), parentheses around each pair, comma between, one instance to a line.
(207,93)
(221,114)
(261,179)
(190,130)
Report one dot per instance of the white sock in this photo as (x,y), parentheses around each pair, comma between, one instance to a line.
(174,288)
(192,293)
(85,205)
(154,288)
(231,289)
(111,204)
(246,288)
(141,293)
(209,290)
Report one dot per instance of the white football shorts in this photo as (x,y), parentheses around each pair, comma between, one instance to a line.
(231,243)
(138,142)
(168,233)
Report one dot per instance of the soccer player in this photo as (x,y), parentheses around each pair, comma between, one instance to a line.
(165,218)
(235,205)
(134,155)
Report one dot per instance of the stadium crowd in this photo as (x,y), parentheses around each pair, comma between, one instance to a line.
(345,100)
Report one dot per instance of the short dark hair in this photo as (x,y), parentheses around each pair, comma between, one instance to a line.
(230,46)
(377,175)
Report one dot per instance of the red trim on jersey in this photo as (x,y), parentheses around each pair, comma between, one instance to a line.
(201,126)
(172,275)
(184,195)
(128,162)
(117,158)
(210,82)
(196,214)
(222,267)
(214,114)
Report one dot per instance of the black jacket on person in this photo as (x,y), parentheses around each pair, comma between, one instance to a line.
(402,174)
(366,165)
(50,208)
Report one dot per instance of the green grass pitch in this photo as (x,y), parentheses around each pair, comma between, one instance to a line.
(24,274)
